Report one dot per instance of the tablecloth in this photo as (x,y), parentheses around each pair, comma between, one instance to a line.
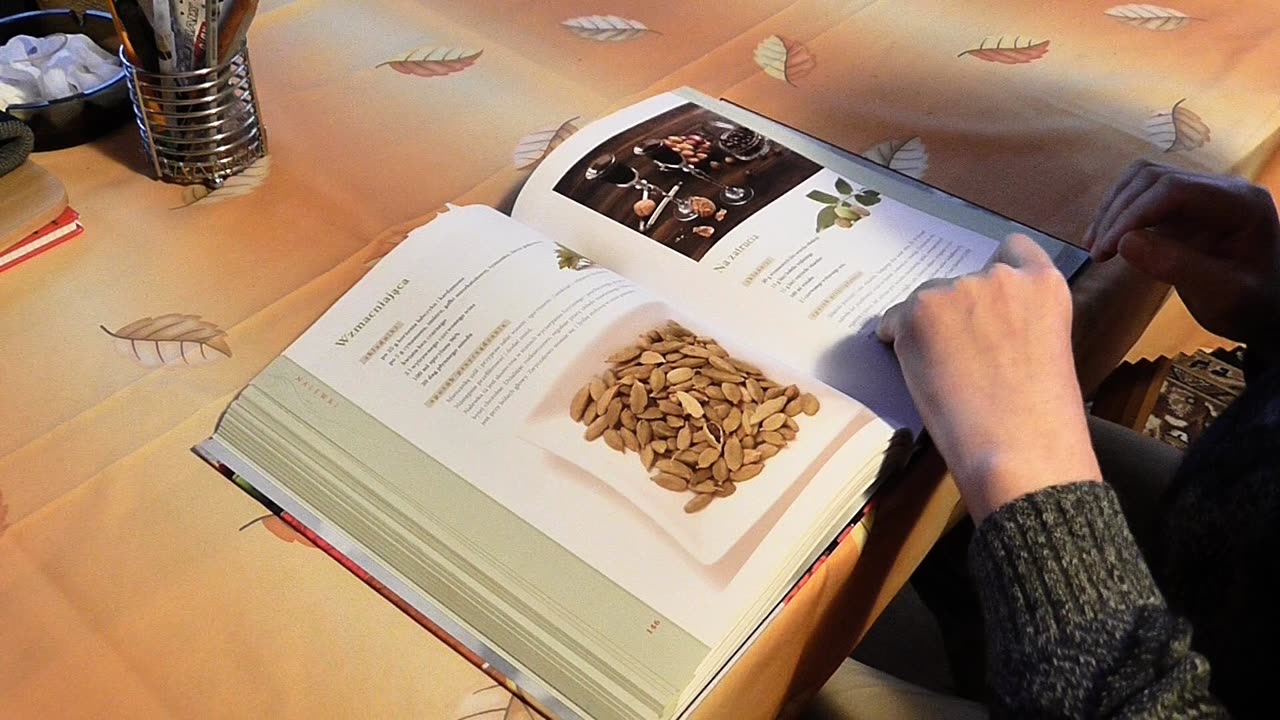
(135,581)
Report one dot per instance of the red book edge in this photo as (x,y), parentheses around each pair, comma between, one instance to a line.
(68,217)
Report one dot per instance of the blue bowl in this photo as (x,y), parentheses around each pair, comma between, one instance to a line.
(84,116)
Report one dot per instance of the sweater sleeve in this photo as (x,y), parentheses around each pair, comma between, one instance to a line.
(1074,622)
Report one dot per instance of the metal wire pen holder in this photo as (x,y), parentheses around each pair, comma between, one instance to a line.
(201,126)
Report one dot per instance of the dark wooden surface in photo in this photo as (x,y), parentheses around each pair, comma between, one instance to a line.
(770,176)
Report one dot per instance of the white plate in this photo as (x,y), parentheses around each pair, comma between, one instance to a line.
(709,534)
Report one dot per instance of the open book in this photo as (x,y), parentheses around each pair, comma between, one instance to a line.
(599,441)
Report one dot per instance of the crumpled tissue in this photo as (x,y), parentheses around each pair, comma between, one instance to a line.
(36,69)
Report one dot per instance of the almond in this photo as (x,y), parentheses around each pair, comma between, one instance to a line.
(671,482)
(614,440)
(578,405)
(639,398)
(697,502)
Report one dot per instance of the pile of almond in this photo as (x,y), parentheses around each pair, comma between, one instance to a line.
(694,147)
(700,420)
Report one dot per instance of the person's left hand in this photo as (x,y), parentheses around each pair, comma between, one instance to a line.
(988,360)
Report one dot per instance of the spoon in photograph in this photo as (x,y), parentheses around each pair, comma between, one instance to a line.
(607,168)
(669,159)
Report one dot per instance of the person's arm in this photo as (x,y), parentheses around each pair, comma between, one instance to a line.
(1076,626)
(1216,239)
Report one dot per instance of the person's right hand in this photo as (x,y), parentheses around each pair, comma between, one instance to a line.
(1216,239)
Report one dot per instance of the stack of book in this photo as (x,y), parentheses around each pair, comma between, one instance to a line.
(34,215)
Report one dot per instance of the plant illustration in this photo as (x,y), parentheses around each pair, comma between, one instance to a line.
(607,28)
(838,210)
(1015,53)
(172,340)
(494,702)
(908,157)
(281,529)
(1149,17)
(434,61)
(567,259)
(1178,129)
(785,59)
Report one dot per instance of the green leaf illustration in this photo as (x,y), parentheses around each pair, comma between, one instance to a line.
(567,259)
(867,197)
(824,198)
(843,187)
(826,217)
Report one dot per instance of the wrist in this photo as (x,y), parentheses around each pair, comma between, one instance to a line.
(998,478)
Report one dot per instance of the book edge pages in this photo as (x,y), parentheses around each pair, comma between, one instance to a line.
(214,450)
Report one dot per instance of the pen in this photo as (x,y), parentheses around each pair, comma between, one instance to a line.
(135,34)
(211,20)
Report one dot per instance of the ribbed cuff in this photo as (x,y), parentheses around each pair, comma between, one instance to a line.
(16,142)
(1055,559)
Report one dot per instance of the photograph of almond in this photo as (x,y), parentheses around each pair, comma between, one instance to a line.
(699,420)
(685,426)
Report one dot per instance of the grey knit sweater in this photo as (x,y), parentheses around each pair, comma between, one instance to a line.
(1077,623)
(16,142)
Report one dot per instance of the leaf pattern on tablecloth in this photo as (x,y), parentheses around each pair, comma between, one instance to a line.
(1178,129)
(1017,52)
(172,340)
(236,186)
(786,60)
(387,241)
(281,529)
(1149,17)
(607,28)
(535,146)
(492,702)
(908,157)
(434,61)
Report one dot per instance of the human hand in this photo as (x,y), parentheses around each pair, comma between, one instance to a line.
(988,360)
(1215,239)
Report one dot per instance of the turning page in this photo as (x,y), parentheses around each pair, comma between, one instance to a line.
(766,232)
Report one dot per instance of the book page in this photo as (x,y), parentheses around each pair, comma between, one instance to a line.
(802,252)
(473,339)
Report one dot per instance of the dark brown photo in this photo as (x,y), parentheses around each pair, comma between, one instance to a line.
(684,178)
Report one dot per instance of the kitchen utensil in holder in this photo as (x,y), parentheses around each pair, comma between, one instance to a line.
(201,126)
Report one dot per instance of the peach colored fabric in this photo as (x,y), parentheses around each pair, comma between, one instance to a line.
(129,588)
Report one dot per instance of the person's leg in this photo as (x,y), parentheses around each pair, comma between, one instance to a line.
(945,587)
(860,692)
(1139,468)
